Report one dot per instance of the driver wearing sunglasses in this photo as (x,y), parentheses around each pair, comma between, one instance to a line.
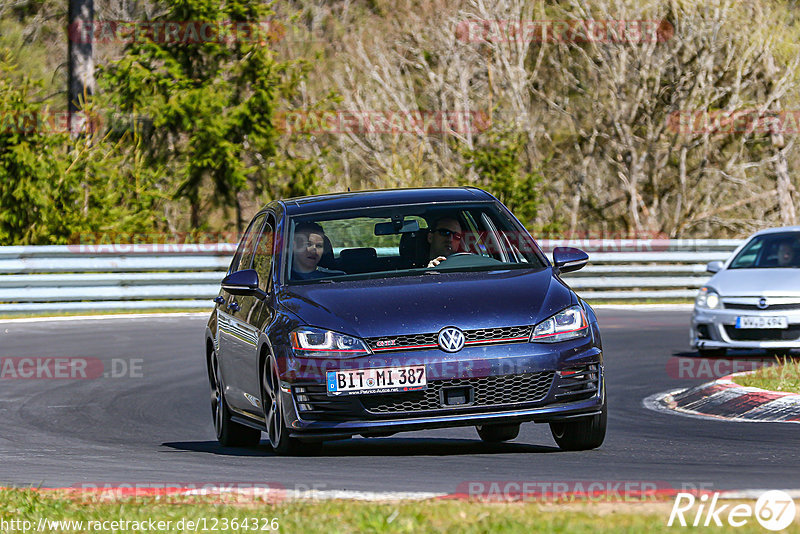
(444,240)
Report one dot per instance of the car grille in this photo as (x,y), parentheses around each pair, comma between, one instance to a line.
(578,383)
(487,391)
(758,334)
(510,334)
(771,307)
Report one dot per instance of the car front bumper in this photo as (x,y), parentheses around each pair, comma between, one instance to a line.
(544,414)
(501,369)
(713,329)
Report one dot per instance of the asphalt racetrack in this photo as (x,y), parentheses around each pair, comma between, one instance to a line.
(152,424)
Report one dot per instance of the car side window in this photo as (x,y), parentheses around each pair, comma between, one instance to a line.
(749,255)
(244,254)
(262,260)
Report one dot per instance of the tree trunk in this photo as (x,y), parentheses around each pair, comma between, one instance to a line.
(239,221)
(81,63)
(784,185)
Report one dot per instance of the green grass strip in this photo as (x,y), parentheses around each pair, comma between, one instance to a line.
(784,377)
(336,516)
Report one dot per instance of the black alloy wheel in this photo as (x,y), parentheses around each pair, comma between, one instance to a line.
(229,433)
(272,400)
(498,433)
(583,433)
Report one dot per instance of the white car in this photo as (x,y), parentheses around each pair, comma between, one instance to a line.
(753,299)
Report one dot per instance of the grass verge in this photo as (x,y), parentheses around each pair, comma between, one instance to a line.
(335,516)
(784,377)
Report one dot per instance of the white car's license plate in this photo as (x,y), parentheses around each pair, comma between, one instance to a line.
(762,322)
(382,380)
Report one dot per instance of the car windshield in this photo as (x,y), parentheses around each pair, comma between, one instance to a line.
(778,250)
(402,240)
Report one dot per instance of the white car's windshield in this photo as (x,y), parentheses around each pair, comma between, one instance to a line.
(776,250)
(397,240)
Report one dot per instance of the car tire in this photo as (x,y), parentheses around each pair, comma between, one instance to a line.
(581,434)
(272,401)
(498,433)
(712,353)
(229,433)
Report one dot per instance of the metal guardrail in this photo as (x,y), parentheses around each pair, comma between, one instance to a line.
(138,277)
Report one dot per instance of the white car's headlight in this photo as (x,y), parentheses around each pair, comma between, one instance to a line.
(707,298)
(566,324)
(318,343)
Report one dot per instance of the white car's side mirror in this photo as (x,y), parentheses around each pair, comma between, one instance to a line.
(714,266)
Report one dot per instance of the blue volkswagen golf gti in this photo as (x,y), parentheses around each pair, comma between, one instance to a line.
(376,312)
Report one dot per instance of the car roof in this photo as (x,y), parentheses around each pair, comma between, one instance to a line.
(385,197)
(777,230)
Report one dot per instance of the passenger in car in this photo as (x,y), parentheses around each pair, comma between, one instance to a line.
(444,239)
(786,254)
(308,248)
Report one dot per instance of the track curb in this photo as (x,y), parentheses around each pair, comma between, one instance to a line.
(726,400)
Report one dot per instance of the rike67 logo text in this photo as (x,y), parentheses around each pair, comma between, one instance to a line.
(774,510)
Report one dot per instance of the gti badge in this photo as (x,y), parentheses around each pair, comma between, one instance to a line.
(762,304)
(451,339)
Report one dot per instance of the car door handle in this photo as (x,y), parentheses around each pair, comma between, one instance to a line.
(219,300)
(233,306)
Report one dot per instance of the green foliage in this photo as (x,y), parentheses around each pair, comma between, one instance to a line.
(202,132)
(47,191)
(25,169)
(498,160)
(212,106)
(54,188)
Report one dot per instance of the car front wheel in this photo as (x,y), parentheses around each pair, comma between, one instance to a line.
(581,434)
(498,433)
(272,400)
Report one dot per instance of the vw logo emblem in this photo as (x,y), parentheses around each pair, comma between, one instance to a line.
(451,339)
(762,303)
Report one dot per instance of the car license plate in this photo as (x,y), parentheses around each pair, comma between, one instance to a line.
(381,380)
(762,322)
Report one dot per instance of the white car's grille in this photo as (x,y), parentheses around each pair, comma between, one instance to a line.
(758,334)
(755,307)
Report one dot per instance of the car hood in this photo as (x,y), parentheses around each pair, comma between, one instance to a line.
(428,303)
(757,282)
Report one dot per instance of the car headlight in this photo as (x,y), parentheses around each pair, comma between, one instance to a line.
(566,324)
(318,343)
(707,298)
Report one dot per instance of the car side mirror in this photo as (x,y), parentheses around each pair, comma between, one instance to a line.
(714,266)
(243,283)
(568,259)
